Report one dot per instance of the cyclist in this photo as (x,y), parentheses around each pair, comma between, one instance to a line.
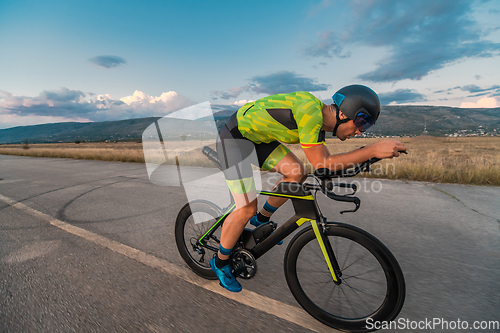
(262,126)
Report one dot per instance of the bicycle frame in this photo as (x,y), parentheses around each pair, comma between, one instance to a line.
(306,210)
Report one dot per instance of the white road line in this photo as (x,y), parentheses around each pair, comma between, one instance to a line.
(249,298)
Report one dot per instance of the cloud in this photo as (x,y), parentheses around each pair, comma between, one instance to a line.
(230,93)
(140,104)
(276,83)
(401,96)
(74,105)
(138,97)
(284,82)
(421,36)
(242,102)
(55,103)
(62,95)
(485,102)
(479,94)
(108,61)
(321,64)
(327,46)
(472,88)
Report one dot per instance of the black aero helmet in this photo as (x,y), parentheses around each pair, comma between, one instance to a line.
(358,103)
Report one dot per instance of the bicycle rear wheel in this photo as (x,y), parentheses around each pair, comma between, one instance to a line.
(193,221)
(372,288)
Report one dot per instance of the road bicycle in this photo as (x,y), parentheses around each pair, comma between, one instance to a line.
(340,274)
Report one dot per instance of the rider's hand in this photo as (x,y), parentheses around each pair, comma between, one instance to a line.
(386,148)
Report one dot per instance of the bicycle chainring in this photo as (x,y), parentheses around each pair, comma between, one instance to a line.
(244,264)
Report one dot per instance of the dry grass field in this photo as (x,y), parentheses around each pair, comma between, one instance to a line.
(464,160)
(104,151)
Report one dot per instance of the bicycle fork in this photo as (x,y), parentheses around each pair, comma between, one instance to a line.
(326,249)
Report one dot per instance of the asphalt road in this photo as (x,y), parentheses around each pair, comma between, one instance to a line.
(125,273)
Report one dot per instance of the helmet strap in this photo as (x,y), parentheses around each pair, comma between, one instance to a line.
(339,121)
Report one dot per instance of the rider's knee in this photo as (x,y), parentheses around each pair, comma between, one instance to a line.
(298,175)
(248,210)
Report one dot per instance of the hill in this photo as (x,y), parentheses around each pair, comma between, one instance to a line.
(394,120)
(71,131)
(130,129)
(436,120)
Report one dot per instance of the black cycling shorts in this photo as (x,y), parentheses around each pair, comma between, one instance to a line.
(237,153)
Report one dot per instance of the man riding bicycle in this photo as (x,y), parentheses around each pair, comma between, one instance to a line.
(262,126)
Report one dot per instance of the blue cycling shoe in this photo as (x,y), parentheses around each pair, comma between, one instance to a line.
(256,223)
(226,277)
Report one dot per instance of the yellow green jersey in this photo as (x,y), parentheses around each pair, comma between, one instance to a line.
(287,118)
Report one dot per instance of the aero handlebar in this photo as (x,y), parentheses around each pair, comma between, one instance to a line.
(324,176)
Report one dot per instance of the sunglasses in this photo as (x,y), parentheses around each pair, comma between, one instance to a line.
(363,121)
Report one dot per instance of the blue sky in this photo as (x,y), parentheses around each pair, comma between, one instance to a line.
(108,60)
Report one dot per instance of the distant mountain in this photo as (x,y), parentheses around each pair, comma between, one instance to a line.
(69,132)
(130,129)
(394,120)
(435,120)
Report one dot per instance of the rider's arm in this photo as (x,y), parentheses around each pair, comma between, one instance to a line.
(320,157)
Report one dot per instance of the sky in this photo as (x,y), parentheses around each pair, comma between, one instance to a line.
(110,60)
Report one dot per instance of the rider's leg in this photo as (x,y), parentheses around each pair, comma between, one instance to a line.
(246,206)
(236,155)
(293,170)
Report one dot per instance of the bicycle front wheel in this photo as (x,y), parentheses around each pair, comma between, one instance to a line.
(193,221)
(372,288)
